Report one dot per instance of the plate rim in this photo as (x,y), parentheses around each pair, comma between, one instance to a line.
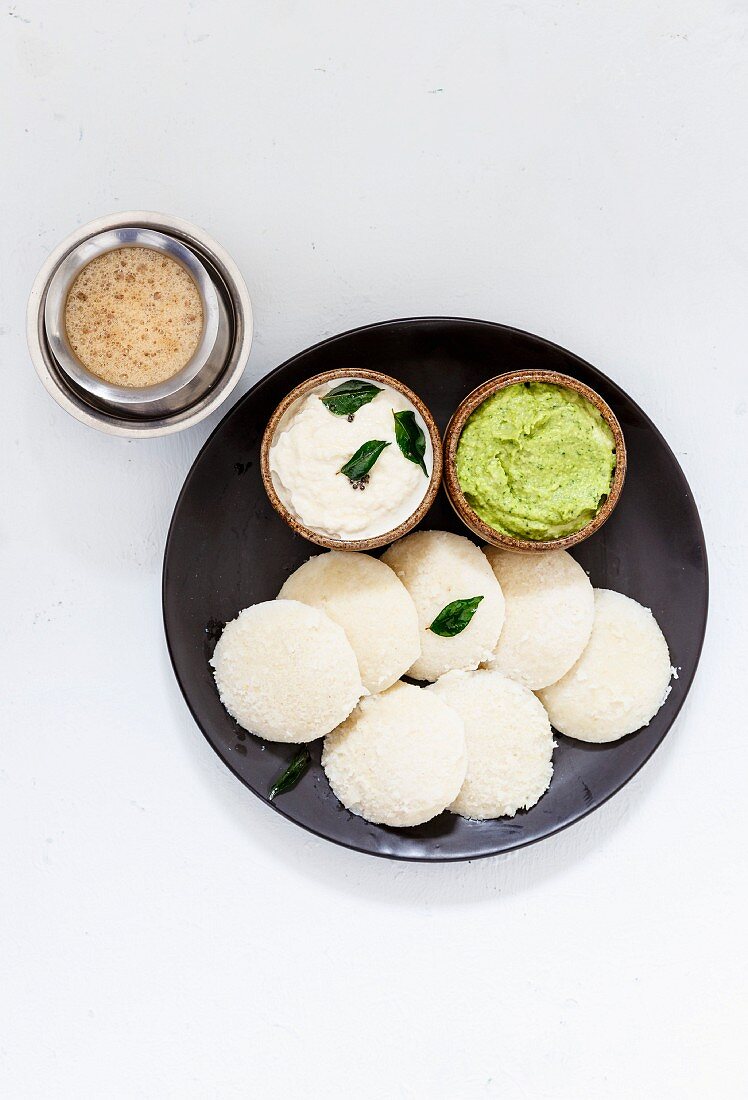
(252,391)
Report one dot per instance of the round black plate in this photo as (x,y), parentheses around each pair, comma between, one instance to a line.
(227,548)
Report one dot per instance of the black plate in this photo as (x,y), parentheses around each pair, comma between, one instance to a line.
(227,548)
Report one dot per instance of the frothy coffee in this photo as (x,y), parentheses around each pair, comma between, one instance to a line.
(134,317)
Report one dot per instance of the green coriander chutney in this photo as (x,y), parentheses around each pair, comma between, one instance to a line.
(535,461)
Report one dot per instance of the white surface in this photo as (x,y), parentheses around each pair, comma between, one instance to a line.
(577,169)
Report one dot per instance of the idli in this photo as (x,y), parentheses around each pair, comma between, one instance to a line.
(509,743)
(399,759)
(439,568)
(550,606)
(286,672)
(620,681)
(363,596)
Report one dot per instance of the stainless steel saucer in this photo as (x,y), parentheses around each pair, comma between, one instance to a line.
(191,394)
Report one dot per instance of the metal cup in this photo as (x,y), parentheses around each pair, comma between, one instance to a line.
(194,391)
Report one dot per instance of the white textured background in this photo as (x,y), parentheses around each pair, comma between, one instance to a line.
(574,168)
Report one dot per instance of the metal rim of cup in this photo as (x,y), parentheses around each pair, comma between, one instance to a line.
(231,289)
(56,300)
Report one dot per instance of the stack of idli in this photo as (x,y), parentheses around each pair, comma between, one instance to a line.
(539,648)
(325,660)
(597,660)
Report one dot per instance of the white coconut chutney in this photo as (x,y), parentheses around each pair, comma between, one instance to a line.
(311,446)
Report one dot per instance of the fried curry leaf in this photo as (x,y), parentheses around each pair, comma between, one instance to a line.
(453,618)
(288,779)
(410,438)
(347,398)
(359,464)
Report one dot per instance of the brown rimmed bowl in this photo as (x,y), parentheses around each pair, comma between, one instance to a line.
(452,437)
(299,393)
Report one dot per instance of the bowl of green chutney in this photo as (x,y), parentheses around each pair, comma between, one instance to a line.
(534,460)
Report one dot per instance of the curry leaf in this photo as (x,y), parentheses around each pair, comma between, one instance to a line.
(347,398)
(288,779)
(362,461)
(453,618)
(410,438)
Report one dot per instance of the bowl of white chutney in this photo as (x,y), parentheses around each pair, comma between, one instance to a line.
(351,460)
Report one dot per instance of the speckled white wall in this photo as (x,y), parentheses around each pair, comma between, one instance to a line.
(577,169)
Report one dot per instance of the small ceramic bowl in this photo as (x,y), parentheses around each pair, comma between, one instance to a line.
(452,437)
(276,422)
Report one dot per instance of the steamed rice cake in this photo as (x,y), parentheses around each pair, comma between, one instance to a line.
(509,743)
(549,608)
(439,568)
(367,599)
(620,681)
(286,672)
(400,757)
